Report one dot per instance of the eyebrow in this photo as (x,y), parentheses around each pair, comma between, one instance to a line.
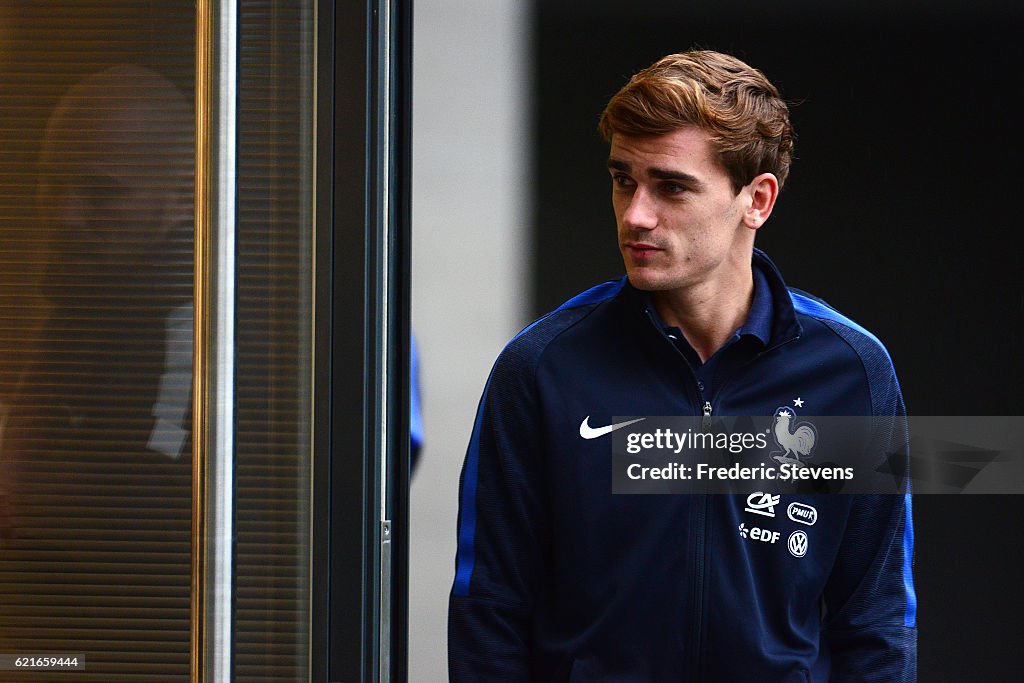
(658,173)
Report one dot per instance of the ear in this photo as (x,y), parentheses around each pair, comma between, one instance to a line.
(763,191)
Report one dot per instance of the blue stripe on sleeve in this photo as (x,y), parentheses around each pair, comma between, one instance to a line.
(808,306)
(910,617)
(465,557)
(596,294)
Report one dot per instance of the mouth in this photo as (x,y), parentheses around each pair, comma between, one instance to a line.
(641,250)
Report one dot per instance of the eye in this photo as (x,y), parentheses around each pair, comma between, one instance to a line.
(623,181)
(673,188)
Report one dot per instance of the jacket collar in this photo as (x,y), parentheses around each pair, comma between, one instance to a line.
(783,325)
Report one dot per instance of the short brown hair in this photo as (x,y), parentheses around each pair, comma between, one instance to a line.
(740,109)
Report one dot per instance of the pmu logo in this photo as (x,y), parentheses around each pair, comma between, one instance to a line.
(761,504)
(802,513)
(758,534)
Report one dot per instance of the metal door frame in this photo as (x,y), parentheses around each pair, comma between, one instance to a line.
(360,491)
(361,342)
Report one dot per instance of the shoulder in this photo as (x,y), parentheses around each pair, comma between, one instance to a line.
(525,350)
(869,351)
(865,344)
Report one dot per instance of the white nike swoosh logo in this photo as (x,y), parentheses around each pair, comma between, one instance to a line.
(588,432)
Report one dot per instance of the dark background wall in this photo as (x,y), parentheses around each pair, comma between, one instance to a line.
(901,211)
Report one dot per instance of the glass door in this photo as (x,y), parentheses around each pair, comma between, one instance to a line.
(204,347)
(96,287)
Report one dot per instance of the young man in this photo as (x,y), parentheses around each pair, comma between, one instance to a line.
(557,579)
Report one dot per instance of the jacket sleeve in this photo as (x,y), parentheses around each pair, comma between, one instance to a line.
(870,602)
(503,531)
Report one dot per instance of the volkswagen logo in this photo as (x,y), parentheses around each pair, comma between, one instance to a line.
(798,544)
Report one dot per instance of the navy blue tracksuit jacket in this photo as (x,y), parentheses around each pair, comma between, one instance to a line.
(557,579)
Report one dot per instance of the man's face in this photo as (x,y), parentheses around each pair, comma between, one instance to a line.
(116,194)
(680,224)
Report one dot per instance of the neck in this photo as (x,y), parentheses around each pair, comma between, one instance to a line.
(708,313)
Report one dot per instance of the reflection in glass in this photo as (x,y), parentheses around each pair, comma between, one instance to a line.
(95,448)
(96,335)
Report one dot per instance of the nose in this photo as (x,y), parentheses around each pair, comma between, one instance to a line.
(640,213)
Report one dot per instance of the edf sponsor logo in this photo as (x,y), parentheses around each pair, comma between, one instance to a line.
(758,534)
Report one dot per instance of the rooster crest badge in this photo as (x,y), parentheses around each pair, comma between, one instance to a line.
(795,440)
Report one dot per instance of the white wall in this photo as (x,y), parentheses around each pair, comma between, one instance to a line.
(470,221)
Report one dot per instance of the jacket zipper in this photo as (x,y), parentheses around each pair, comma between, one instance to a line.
(697,619)
(701,513)
(702,525)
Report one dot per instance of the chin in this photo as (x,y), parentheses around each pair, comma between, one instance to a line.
(647,282)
